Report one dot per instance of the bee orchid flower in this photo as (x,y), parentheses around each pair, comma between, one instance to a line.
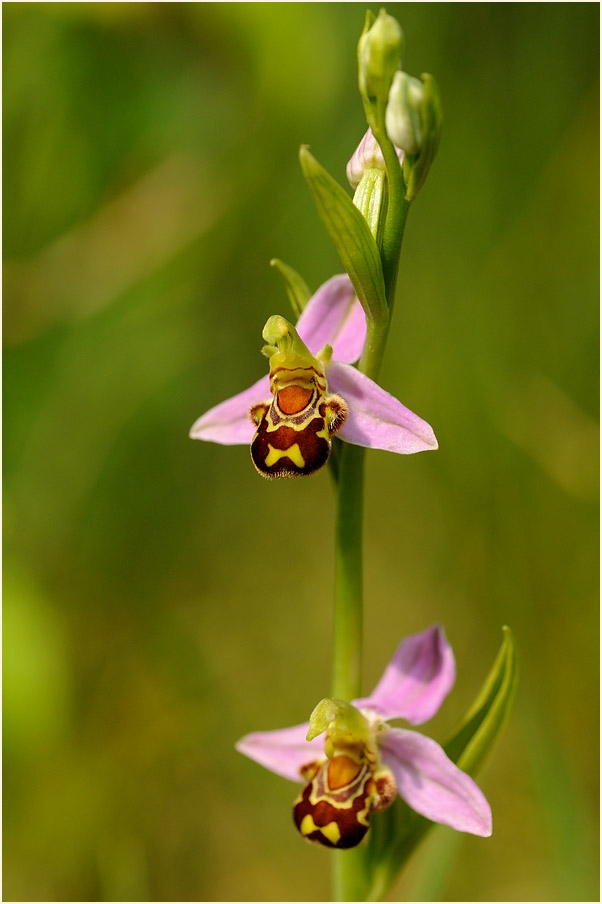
(313,391)
(351,761)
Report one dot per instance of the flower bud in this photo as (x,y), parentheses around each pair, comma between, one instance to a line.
(404,112)
(379,56)
(367,155)
(413,121)
(366,172)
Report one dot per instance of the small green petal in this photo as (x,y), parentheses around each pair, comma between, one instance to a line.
(325,354)
(296,287)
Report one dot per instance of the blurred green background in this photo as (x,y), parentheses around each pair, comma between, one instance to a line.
(150,174)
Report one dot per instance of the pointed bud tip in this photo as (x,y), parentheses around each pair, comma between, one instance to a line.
(379,55)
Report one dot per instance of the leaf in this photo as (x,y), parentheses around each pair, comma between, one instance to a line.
(397,831)
(296,287)
(486,719)
(350,235)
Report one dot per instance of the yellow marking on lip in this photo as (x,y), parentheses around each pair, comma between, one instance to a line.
(330,831)
(293,452)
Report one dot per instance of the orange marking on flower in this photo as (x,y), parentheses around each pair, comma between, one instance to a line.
(293,399)
(341,771)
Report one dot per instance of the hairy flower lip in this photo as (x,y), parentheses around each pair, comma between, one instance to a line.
(413,686)
(333,316)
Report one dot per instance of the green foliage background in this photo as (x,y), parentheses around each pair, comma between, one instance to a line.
(160,599)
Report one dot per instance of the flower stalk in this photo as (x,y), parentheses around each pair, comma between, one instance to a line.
(348,872)
(387,222)
(348,599)
(348,620)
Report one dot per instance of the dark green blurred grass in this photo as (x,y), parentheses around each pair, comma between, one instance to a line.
(150,160)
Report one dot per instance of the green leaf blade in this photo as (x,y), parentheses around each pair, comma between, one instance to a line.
(486,719)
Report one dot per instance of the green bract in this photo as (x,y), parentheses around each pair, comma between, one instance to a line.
(351,236)
(369,199)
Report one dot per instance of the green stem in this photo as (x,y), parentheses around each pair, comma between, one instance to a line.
(347,658)
(348,604)
(374,347)
(349,875)
(349,872)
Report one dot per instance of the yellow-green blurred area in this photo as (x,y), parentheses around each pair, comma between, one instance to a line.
(160,598)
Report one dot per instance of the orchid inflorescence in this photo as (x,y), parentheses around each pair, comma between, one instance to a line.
(321,388)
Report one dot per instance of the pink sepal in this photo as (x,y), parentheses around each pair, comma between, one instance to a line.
(229,422)
(284,750)
(333,316)
(377,419)
(416,681)
(434,786)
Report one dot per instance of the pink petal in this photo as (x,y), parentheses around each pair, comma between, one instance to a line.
(229,422)
(416,681)
(334,316)
(434,786)
(376,419)
(283,751)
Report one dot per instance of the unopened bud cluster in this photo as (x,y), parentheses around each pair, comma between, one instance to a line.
(410,106)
